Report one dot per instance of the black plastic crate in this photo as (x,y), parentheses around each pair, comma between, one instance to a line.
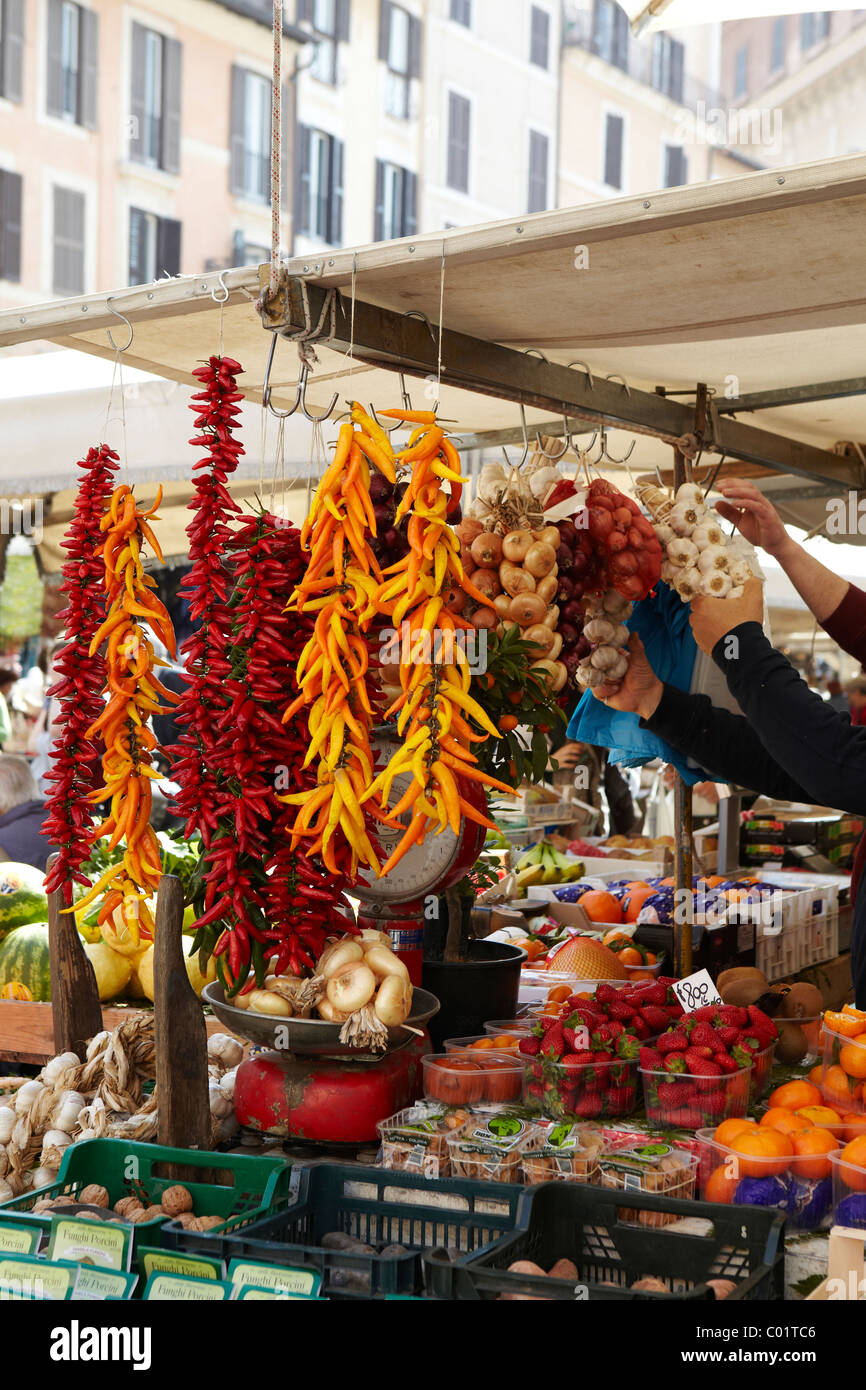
(379,1206)
(583,1223)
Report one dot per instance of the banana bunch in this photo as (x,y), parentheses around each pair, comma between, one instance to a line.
(544,864)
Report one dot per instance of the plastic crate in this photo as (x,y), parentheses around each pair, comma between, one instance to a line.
(379,1207)
(584,1224)
(779,954)
(249,1187)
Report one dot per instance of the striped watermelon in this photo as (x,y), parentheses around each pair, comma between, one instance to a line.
(24,960)
(22,896)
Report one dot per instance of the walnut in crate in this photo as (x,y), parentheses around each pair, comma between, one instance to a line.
(206,1223)
(176,1200)
(93,1195)
(126,1206)
(46,1204)
(187,1220)
(152,1213)
(658,1168)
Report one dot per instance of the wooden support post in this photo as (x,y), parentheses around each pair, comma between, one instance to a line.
(76,1012)
(179,1031)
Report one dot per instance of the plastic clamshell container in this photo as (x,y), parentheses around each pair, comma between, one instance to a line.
(596,1091)
(415,1140)
(563,1152)
(535,985)
(642,972)
(849,1054)
(486,1076)
(800,1186)
(521,1027)
(653,1166)
(703,1101)
(491,1148)
(483,1042)
(762,1070)
(849,1193)
(810,1041)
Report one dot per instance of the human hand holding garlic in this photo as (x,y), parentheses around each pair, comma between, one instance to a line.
(640,689)
(753,514)
(712,618)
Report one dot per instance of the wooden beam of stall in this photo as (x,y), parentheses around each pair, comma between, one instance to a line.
(684,901)
(180,1035)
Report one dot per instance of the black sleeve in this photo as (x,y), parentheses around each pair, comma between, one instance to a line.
(812,742)
(723,743)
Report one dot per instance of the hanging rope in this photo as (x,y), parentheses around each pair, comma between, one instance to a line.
(276,151)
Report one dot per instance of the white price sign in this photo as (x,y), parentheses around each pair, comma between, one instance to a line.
(696,990)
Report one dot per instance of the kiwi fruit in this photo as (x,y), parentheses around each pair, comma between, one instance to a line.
(792,1043)
(742,992)
(741,972)
(802,1000)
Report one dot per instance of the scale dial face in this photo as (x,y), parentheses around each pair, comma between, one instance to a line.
(423,868)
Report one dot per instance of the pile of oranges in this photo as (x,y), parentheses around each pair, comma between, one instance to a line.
(843,1083)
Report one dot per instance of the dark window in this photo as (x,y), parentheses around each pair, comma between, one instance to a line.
(676,166)
(610,33)
(68,272)
(72,64)
(319,186)
(155,103)
(539,156)
(154,247)
(778,45)
(457,174)
(396,202)
(329,20)
(12,50)
(250,144)
(400,35)
(613,146)
(461,12)
(741,71)
(539,43)
(667,66)
(814,27)
(10,225)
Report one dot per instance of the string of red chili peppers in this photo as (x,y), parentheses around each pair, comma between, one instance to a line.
(278,918)
(75,766)
(207,588)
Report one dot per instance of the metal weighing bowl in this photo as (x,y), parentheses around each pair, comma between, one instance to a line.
(312,1036)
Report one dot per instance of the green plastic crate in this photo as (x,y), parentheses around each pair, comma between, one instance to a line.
(379,1206)
(249,1187)
(614,1245)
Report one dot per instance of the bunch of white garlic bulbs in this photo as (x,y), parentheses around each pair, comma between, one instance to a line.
(607,634)
(699,558)
(507,499)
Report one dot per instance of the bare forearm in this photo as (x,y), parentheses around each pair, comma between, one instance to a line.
(819,588)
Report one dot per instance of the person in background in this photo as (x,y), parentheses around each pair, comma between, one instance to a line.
(21,815)
(856,693)
(836,696)
(587,768)
(8,677)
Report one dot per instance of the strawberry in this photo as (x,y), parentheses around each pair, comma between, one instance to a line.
(704,1035)
(728,1036)
(575,1002)
(570,1038)
(535,1089)
(669,1093)
(714,1103)
(698,1065)
(606,994)
(755,1038)
(578,1059)
(640,1028)
(529,1046)
(554,1042)
(623,1012)
(686,1118)
(735,1016)
(549,1021)
(657,993)
(705,1014)
(627,1047)
(654,1017)
(620,1100)
(589,1106)
(651,1059)
(726,1063)
(675,1041)
(615,1030)
(761,1020)
(603,1056)
(604,1034)
(675,1062)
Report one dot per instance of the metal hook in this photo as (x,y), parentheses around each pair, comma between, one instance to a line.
(300,400)
(419,314)
(615,376)
(608,456)
(407,405)
(220,298)
(302,396)
(123,319)
(586,371)
(525,442)
(554,458)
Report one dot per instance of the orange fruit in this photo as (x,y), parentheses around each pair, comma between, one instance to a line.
(485,1043)
(534,949)
(587,958)
(821,1115)
(633,900)
(850,1023)
(836,1088)
(719,1187)
(506,1040)
(785,1121)
(762,1152)
(550,1009)
(728,1128)
(854,1153)
(855,1125)
(559,994)
(852,1059)
(600,906)
(811,1148)
(816,1075)
(793,1095)
(629,955)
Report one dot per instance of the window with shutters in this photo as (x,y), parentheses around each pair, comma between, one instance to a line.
(457,172)
(676,166)
(400,49)
(319,196)
(10,225)
(667,69)
(813,28)
(779,43)
(539,41)
(396,199)
(461,12)
(614,136)
(257,138)
(12,49)
(70,23)
(154,247)
(539,156)
(68,268)
(741,72)
(155,104)
(610,33)
(71,63)
(324,19)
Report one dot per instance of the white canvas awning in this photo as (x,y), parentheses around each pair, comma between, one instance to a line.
(651,15)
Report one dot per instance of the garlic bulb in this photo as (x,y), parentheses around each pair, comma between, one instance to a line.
(604,658)
(6,1192)
(620,636)
(708,533)
(716,582)
(4,1161)
(42,1176)
(740,571)
(617,671)
(665,533)
(714,557)
(736,591)
(688,583)
(683,518)
(220,1105)
(689,495)
(599,630)
(669,571)
(52,1070)
(613,604)
(96,1044)
(27,1095)
(226,1050)
(7,1123)
(227,1083)
(67,1112)
(542,481)
(682,552)
(54,1143)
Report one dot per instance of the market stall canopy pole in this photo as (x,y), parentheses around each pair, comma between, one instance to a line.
(180,1034)
(76,1011)
(795,395)
(682,930)
(384,337)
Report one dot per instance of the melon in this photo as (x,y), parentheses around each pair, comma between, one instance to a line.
(112,970)
(587,959)
(142,979)
(24,960)
(22,896)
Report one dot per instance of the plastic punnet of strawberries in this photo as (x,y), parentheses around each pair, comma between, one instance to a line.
(703,1069)
(584,1062)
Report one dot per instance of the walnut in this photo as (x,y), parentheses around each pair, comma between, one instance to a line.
(176,1200)
(86,1216)
(127,1205)
(152,1213)
(137,1216)
(65,1200)
(93,1195)
(187,1220)
(206,1223)
(45,1205)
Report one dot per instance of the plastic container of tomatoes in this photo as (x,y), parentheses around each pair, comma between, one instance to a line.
(800,1185)
(849,1187)
(491,1147)
(844,1069)
(485,1042)
(486,1078)
(415,1140)
(680,1100)
(591,1091)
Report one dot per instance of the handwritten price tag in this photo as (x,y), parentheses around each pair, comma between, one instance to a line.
(696,990)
